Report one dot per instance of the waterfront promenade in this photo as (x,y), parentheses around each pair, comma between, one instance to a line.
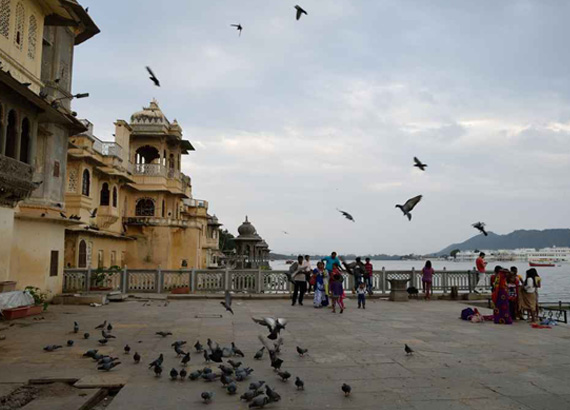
(457,365)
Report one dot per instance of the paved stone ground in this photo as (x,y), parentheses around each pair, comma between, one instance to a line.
(457,365)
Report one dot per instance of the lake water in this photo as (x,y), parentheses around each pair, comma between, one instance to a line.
(555,280)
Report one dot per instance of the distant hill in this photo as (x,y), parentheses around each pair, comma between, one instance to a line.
(517,239)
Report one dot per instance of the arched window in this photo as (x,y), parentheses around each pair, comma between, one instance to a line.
(145,207)
(5,18)
(86,183)
(82,261)
(20,18)
(32,37)
(11,134)
(115,197)
(146,154)
(163,208)
(104,197)
(25,141)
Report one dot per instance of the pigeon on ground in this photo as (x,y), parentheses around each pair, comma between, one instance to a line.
(272,394)
(127,349)
(212,345)
(153,77)
(178,343)
(157,370)
(103,341)
(346,389)
(90,353)
(225,379)
(276,364)
(107,359)
(480,226)
(70,343)
(157,361)
(259,402)
(226,370)
(300,384)
(107,335)
(108,366)
(228,302)
(179,351)
(173,374)
(206,356)
(242,374)
(198,346)
(206,370)
(231,388)
(109,327)
(418,163)
(301,351)
(347,215)
(195,375)
(102,325)
(183,374)
(216,356)
(86,335)
(409,206)
(284,375)
(300,12)
(210,377)
(237,351)
(238,27)
(408,349)
(207,396)
(164,334)
(256,385)
(250,395)
(234,364)
(259,354)
(186,359)
(137,358)
(75,327)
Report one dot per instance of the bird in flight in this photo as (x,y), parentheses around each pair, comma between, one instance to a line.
(286,233)
(153,77)
(409,205)
(238,27)
(300,12)
(346,215)
(419,164)
(480,226)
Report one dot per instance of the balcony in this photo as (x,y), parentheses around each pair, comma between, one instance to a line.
(157,175)
(15,181)
(107,216)
(156,221)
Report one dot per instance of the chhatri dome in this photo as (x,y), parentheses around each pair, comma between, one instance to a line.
(247,229)
(151,115)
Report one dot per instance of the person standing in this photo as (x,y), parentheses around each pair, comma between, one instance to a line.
(501,313)
(481,265)
(528,297)
(330,261)
(427,278)
(319,296)
(356,269)
(309,271)
(300,280)
(361,291)
(368,275)
(336,292)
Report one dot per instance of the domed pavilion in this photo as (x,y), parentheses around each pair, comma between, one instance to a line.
(252,250)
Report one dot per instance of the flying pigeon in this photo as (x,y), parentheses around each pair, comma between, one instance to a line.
(408,349)
(284,375)
(238,27)
(207,396)
(153,77)
(300,12)
(346,215)
(137,358)
(480,226)
(346,389)
(409,206)
(419,164)
(286,233)
(228,302)
(301,351)
(93,213)
(300,384)
(163,334)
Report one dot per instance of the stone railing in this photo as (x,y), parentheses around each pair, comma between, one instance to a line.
(150,170)
(112,149)
(247,281)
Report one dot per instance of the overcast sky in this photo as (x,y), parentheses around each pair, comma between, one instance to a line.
(296,118)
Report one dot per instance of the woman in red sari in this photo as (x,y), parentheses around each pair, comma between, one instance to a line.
(501,313)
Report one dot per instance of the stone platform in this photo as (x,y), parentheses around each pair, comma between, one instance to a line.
(457,365)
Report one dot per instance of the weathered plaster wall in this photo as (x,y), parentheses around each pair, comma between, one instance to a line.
(6,234)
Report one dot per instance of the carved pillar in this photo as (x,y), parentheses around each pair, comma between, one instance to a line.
(18,136)
(33,144)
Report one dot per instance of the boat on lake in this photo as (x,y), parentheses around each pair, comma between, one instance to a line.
(541,263)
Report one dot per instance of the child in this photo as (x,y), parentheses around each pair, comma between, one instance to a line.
(361,291)
(512,288)
(318,274)
(427,277)
(336,293)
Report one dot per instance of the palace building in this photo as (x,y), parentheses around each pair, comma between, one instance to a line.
(37,40)
(134,203)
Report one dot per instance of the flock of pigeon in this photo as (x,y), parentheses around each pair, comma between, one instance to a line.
(230,374)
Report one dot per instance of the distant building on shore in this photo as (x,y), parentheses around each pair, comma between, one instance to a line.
(251,249)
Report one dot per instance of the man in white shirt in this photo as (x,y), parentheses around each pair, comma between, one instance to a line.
(308,269)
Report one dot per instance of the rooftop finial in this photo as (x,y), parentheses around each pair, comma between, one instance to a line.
(246,219)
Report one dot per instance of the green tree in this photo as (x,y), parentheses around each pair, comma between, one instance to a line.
(454,253)
(227,243)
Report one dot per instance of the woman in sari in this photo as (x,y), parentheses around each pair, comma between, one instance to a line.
(528,297)
(319,296)
(501,313)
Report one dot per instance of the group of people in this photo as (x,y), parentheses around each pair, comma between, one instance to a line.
(327,281)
